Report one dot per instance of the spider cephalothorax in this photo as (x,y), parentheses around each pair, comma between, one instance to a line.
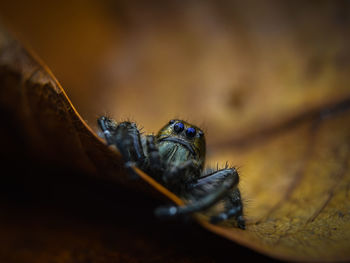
(180,134)
(175,157)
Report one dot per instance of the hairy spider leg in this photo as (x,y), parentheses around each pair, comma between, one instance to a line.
(233,202)
(126,137)
(108,130)
(128,142)
(233,208)
(174,176)
(153,155)
(231,180)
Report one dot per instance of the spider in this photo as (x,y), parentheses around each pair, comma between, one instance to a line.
(175,158)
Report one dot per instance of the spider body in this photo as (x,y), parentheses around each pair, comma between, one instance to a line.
(175,157)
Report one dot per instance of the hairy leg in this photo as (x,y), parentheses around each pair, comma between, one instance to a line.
(126,137)
(233,208)
(154,165)
(108,127)
(178,177)
(213,188)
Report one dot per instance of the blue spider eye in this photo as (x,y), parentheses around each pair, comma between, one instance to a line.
(179,127)
(190,132)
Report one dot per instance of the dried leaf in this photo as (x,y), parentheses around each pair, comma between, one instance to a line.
(295,174)
(37,111)
(299,190)
(64,195)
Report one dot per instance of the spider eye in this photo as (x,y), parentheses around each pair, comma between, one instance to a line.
(179,127)
(190,132)
(171,121)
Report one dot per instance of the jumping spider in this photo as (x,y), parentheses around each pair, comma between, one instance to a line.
(175,158)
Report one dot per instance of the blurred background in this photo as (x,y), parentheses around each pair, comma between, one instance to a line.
(231,66)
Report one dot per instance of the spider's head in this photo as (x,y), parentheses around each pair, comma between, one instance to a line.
(182,133)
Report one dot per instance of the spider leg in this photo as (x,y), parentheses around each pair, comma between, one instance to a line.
(215,186)
(128,142)
(233,207)
(108,127)
(174,177)
(232,202)
(153,156)
(126,137)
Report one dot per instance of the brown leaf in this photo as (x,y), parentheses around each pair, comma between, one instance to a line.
(292,142)
(39,113)
(60,194)
(298,190)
